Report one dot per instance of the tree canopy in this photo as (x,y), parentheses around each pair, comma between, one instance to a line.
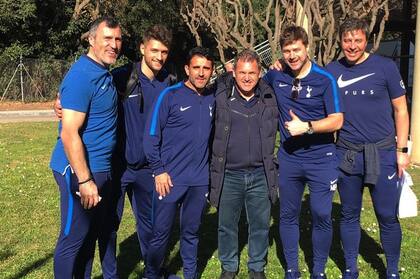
(57,28)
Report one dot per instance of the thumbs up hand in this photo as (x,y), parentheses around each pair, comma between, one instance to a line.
(296,126)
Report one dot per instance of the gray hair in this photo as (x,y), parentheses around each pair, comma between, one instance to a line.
(109,22)
(248,55)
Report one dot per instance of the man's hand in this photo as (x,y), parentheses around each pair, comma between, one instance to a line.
(89,196)
(278,65)
(58,108)
(163,184)
(403,160)
(296,126)
(229,67)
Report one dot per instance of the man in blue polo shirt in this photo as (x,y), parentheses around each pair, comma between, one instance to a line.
(376,113)
(176,144)
(81,160)
(310,111)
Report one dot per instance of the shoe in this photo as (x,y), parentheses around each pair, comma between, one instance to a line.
(291,274)
(227,274)
(319,276)
(393,276)
(350,274)
(256,275)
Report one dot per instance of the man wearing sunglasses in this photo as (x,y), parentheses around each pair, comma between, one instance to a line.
(310,112)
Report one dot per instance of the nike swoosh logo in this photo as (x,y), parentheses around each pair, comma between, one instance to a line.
(184,109)
(343,83)
(282,84)
(391,176)
(333,181)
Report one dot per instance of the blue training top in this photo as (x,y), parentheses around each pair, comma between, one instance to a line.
(367,90)
(88,87)
(177,135)
(318,97)
(133,112)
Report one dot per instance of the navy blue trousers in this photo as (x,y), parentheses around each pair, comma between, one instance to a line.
(191,201)
(385,196)
(138,184)
(322,181)
(81,228)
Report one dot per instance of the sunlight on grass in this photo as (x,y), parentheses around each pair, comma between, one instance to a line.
(30,221)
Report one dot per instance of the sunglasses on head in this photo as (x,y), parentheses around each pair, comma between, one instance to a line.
(295,88)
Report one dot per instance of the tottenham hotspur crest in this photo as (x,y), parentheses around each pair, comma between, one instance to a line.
(211,110)
(308,90)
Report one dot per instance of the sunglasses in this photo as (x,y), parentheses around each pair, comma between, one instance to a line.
(295,88)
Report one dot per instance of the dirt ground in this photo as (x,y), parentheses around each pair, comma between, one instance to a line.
(10,106)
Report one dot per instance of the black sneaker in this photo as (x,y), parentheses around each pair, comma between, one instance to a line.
(256,275)
(227,275)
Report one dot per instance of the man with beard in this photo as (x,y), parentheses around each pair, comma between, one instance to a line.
(310,112)
(138,85)
(176,144)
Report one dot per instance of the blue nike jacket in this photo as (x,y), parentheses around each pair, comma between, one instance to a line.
(177,135)
(133,111)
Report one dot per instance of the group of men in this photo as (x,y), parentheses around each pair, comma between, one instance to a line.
(134,131)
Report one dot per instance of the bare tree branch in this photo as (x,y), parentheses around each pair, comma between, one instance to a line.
(235,23)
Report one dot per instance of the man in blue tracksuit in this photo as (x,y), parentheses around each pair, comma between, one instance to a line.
(376,113)
(138,85)
(81,160)
(310,111)
(176,144)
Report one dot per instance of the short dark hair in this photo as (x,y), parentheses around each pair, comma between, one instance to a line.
(248,55)
(353,24)
(293,33)
(109,22)
(200,51)
(159,33)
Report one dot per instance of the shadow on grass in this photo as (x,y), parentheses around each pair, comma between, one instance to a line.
(369,248)
(129,256)
(206,247)
(33,266)
(208,239)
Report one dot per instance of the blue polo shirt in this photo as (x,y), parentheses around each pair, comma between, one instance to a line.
(88,87)
(318,97)
(177,136)
(367,90)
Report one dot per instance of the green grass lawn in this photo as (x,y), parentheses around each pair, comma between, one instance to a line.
(29,218)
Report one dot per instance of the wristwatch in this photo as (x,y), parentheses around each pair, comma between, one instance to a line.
(402,149)
(310,130)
